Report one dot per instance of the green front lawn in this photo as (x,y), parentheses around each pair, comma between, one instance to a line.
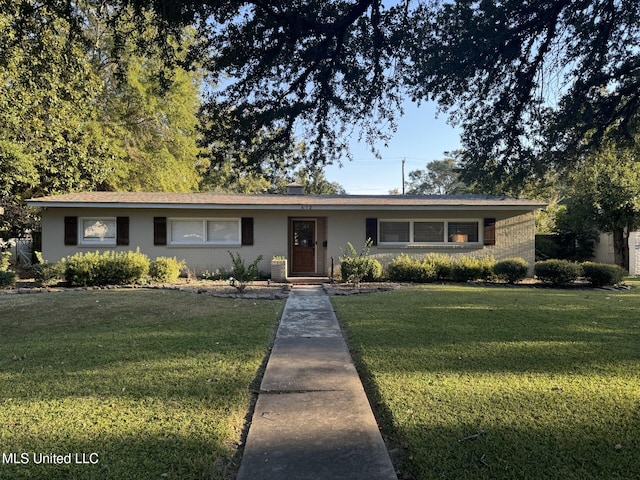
(503,383)
(155,384)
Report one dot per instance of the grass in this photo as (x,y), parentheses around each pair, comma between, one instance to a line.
(503,383)
(155,383)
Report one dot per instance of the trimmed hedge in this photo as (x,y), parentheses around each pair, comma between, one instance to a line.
(108,268)
(368,269)
(511,270)
(165,269)
(436,267)
(600,274)
(557,272)
(467,269)
(406,269)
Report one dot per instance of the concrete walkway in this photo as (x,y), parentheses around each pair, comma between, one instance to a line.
(312,419)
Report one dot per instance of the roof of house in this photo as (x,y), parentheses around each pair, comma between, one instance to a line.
(280,202)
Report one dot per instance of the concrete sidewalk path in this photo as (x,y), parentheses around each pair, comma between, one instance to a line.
(312,419)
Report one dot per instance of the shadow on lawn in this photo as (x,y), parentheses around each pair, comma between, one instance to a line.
(576,452)
(141,457)
(154,383)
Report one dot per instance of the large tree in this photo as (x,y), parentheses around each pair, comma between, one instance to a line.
(82,109)
(606,185)
(439,177)
(531,82)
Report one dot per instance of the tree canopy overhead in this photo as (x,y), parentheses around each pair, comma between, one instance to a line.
(532,82)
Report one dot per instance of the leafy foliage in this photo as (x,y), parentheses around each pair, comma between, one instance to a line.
(7,278)
(357,267)
(439,177)
(529,82)
(607,189)
(511,270)
(557,272)
(82,109)
(107,268)
(242,274)
(46,273)
(599,274)
(464,269)
(166,269)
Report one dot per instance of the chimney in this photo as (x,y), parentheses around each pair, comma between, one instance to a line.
(295,189)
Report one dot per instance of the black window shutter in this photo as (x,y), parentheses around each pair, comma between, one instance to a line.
(70,230)
(122,230)
(159,230)
(372,230)
(489,231)
(247,230)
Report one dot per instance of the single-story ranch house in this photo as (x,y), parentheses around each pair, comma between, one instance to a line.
(308,230)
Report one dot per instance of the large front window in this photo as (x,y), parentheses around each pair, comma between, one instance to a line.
(209,231)
(428,232)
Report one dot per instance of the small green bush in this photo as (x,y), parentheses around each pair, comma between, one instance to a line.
(108,268)
(466,269)
(600,274)
(242,274)
(358,267)
(511,270)
(7,278)
(166,269)
(406,269)
(557,272)
(369,269)
(45,273)
(441,264)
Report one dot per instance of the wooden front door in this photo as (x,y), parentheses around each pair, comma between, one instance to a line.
(303,246)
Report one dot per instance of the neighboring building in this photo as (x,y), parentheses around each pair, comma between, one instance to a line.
(604,251)
(308,230)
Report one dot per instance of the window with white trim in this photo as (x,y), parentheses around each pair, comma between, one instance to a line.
(428,232)
(205,231)
(97,231)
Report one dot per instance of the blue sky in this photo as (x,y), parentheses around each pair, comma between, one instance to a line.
(420,138)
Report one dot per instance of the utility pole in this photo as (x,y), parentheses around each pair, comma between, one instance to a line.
(403,161)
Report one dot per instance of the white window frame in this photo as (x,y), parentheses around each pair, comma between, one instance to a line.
(204,222)
(445,241)
(82,240)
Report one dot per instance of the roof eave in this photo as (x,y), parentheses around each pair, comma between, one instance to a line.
(299,206)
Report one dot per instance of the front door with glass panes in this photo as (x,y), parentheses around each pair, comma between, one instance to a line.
(303,233)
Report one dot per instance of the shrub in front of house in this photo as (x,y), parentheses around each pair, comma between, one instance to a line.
(356,267)
(108,268)
(166,269)
(46,274)
(241,273)
(557,272)
(600,274)
(441,263)
(7,278)
(511,270)
(364,268)
(403,268)
(466,269)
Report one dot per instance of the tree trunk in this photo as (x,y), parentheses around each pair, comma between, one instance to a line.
(621,248)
